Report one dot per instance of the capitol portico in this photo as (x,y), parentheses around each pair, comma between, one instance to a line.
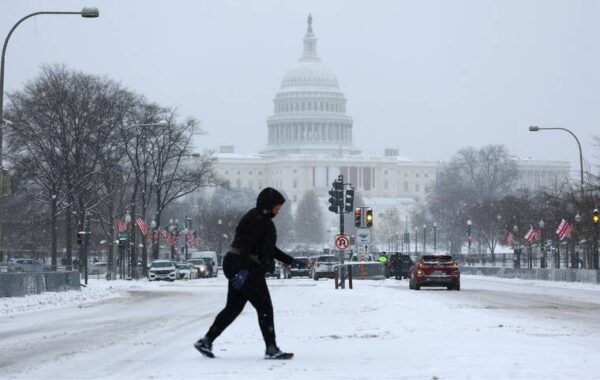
(309,143)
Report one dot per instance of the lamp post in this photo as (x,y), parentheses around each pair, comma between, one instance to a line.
(188,229)
(516,247)
(434,236)
(596,221)
(153,227)
(416,237)
(130,267)
(535,128)
(469,226)
(173,231)
(220,223)
(544,263)
(86,13)
(575,255)
(424,238)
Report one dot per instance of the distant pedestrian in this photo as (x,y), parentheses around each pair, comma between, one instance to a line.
(250,257)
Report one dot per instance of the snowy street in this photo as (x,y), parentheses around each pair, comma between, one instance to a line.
(493,328)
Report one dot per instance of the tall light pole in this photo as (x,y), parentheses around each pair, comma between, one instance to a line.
(416,238)
(544,263)
(469,226)
(220,223)
(434,237)
(129,266)
(516,247)
(424,238)
(596,221)
(153,227)
(535,128)
(575,257)
(86,13)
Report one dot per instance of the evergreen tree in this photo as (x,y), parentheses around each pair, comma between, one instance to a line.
(309,219)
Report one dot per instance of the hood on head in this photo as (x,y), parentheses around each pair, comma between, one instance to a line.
(267,199)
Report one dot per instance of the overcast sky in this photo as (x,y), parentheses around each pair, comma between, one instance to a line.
(427,77)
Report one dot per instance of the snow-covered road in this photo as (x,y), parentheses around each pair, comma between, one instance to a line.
(493,328)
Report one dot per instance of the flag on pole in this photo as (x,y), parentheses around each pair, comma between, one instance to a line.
(121,225)
(562,229)
(530,234)
(164,234)
(142,226)
(510,238)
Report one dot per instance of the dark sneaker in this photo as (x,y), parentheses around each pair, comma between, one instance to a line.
(205,347)
(275,353)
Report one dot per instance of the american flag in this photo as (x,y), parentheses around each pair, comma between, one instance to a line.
(164,234)
(141,223)
(510,238)
(563,230)
(530,234)
(121,225)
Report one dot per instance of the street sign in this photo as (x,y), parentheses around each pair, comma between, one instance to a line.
(123,235)
(342,242)
(363,235)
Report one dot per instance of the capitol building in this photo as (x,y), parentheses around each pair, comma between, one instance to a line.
(309,143)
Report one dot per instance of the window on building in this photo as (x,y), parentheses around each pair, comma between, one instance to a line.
(295,183)
(417,175)
(386,184)
(417,187)
(238,183)
(406,186)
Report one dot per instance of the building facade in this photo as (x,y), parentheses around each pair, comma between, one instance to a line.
(310,143)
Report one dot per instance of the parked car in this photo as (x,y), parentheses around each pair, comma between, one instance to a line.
(202,270)
(435,270)
(162,270)
(324,266)
(299,268)
(186,271)
(26,265)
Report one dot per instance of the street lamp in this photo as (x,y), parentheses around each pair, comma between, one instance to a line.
(516,247)
(424,238)
(596,221)
(434,236)
(575,256)
(544,263)
(220,223)
(469,225)
(130,267)
(535,128)
(85,13)
(173,230)
(154,242)
(416,237)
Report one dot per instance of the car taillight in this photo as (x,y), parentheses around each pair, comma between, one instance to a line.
(318,265)
(455,264)
(420,265)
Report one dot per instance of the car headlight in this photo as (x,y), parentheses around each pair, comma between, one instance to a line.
(202,268)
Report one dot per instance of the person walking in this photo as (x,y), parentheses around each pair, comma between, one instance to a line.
(252,254)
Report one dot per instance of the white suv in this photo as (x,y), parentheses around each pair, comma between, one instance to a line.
(162,270)
(324,266)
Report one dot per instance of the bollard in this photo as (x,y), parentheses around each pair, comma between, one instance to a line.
(361,270)
(350,276)
(335,279)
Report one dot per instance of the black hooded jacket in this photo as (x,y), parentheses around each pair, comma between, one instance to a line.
(254,245)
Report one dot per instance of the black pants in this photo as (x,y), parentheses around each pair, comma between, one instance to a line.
(254,290)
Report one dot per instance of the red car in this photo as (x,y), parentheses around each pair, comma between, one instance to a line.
(435,269)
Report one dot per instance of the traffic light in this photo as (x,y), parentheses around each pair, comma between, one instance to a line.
(357,216)
(349,199)
(336,195)
(80,237)
(595,216)
(369,217)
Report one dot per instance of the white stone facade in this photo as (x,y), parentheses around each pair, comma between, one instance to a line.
(310,144)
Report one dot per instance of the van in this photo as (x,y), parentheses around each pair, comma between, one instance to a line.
(212,261)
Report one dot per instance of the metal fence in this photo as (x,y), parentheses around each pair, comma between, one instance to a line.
(591,276)
(22,284)
(366,270)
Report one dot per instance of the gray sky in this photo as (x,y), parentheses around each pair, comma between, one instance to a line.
(427,77)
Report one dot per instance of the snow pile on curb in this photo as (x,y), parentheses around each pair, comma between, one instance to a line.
(96,290)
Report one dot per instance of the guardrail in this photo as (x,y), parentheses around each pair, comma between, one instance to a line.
(22,284)
(591,276)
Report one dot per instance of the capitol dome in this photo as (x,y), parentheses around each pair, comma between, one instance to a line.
(310,108)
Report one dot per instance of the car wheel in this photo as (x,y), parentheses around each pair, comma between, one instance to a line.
(417,287)
(457,287)
(315,277)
